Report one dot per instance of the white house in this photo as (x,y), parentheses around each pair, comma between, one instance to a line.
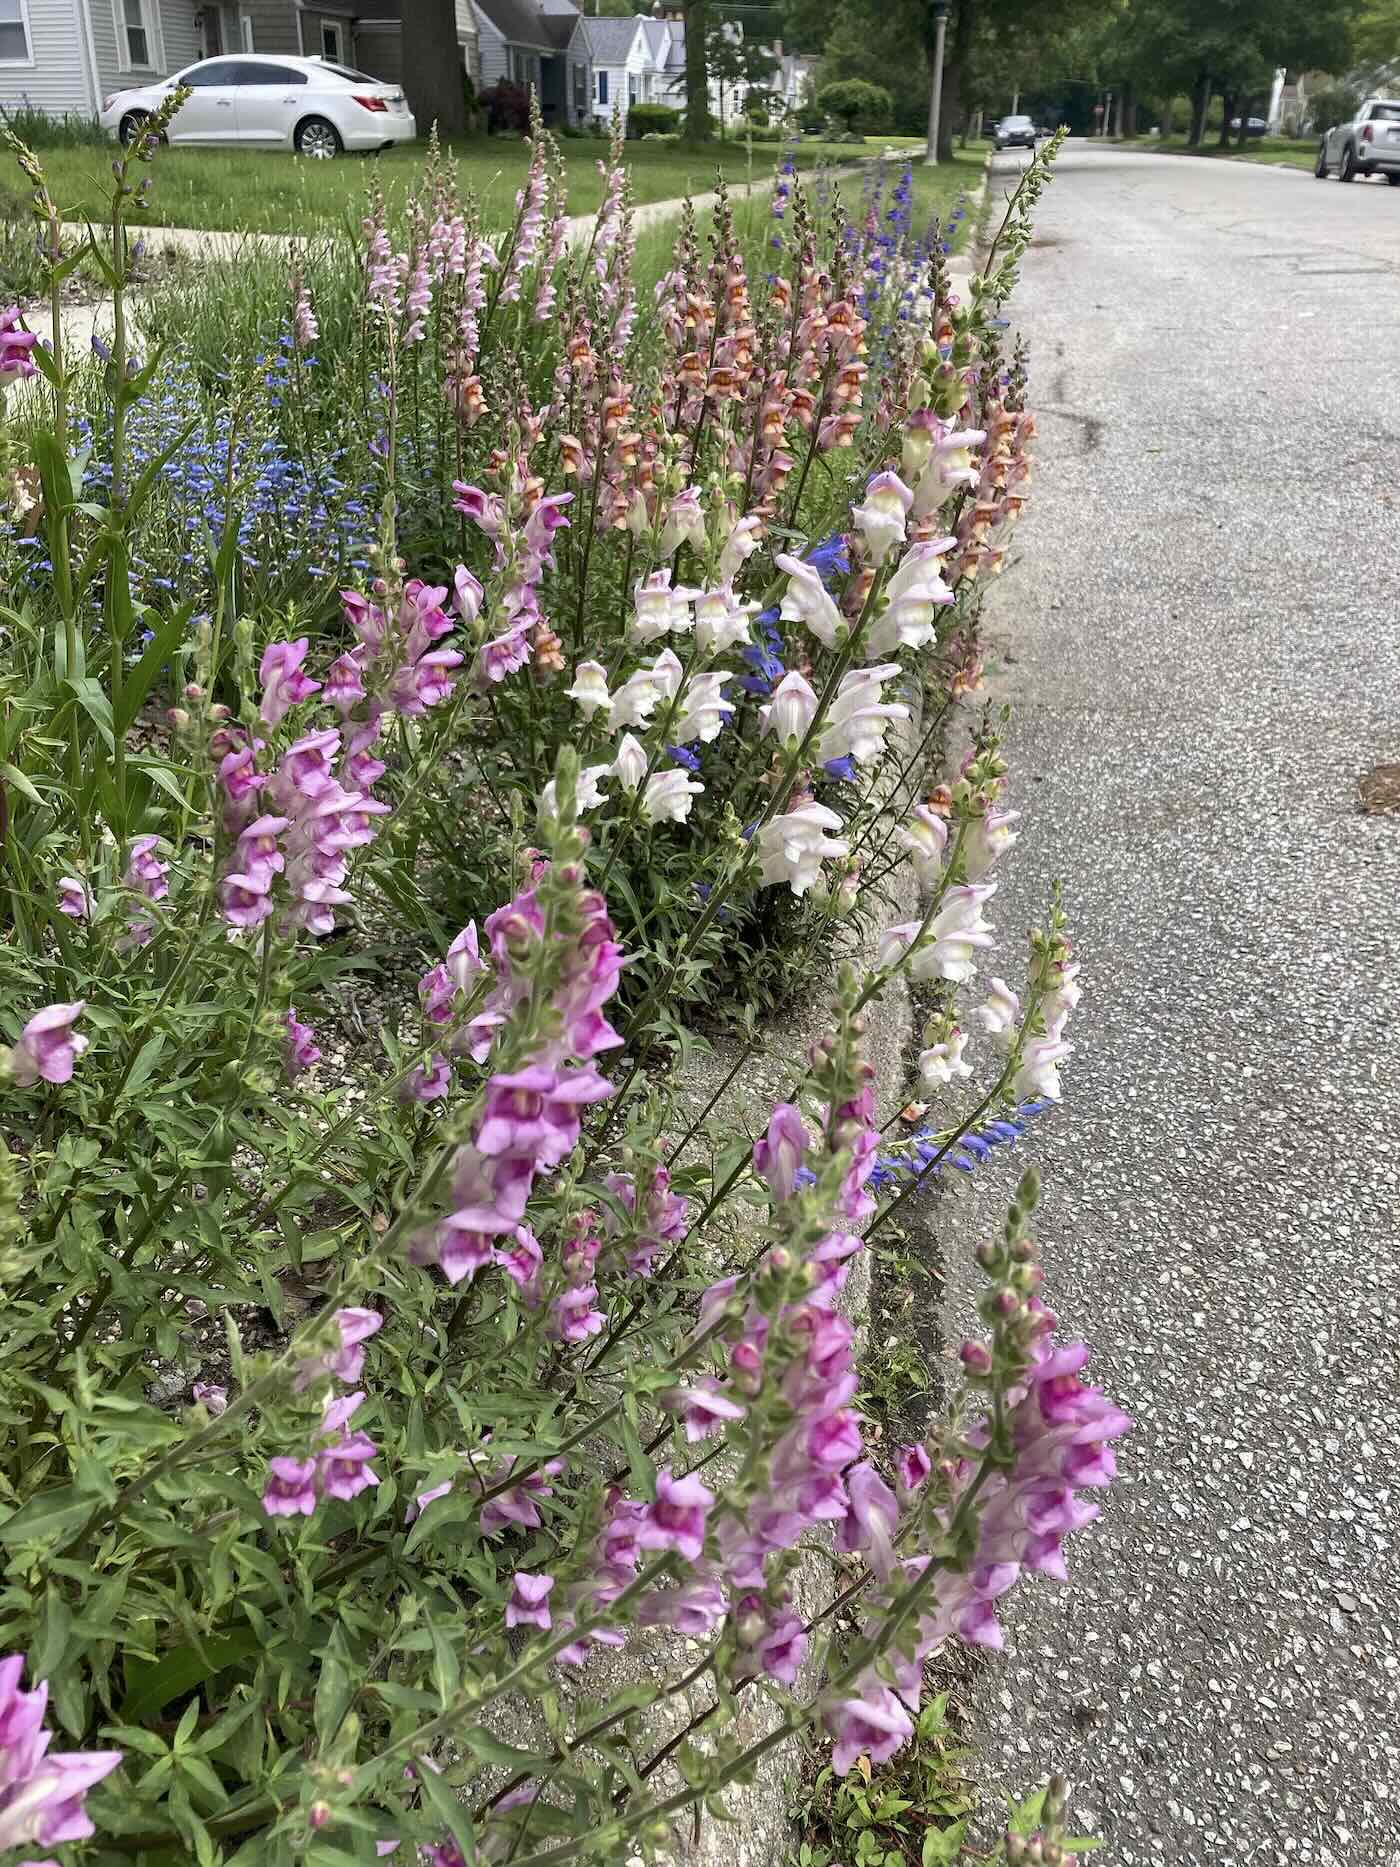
(610,68)
(526,42)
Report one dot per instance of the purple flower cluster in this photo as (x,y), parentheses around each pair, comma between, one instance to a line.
(531,1117)
(41,1791)
(521,525)
(337,1465)
(1060,1431)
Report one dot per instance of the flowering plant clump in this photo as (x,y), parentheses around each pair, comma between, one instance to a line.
(358,1396)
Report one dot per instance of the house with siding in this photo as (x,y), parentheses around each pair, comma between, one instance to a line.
(615,55)
(527,42)
(63,56)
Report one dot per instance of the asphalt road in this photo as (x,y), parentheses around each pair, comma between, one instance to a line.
(1202,643)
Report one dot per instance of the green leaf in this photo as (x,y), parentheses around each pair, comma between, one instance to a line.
(146,1060)
(48,1515)
(334,1689)
(143,676)
(151,1688)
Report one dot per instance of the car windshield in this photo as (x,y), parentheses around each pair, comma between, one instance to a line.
(1386,113)
(1015,123)
(344,71)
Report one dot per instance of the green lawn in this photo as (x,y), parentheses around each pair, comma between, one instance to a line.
(1294,152)
(273,192)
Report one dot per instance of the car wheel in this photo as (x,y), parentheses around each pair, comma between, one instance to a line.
(130,124)
(318,139)
(1320,166)
(1346,168)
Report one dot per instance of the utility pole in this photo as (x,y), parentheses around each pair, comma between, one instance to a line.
(935,91)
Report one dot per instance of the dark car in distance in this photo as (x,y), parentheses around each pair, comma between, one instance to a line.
(1015,133)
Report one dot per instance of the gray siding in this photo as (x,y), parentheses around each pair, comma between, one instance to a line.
(57,79)
(494,63)
(173,42)
(274,24)
(379,50)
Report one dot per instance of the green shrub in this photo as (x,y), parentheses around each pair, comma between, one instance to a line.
(856,104)
(652,119)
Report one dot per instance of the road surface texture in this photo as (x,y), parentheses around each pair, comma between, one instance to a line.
(1202,645)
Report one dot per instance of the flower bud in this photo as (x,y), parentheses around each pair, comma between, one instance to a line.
(319,1814)
(976,1359)
(193,691)
(1006,1303)
(179,718)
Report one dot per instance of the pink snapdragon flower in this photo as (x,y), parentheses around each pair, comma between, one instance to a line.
(15,345)
(283,683)
(48,1046)
(537,1111)
(528,1604)
(575,1316)
(41,1791)
(778,1156)
(74,898)
(290,1490)
(301,1050)
(676,1519)
(355,1327)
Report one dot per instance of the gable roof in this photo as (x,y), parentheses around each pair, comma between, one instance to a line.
(524,22)
(610,40)
(657,32)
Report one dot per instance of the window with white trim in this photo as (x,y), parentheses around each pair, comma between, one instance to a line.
(136,35)
(602,87)
(14,33)
(330,41)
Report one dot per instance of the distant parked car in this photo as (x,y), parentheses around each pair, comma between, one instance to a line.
(1368,145)
(1257,126)
(1015,133)
(306,104)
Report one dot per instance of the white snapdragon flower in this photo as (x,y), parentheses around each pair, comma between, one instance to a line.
(881,519)
(630,765)
(1039,1072)
(1064,995)
(911,597)
(635,701)
(855,725)
(660,610)
(988,838)
(668,796)
(721,620)
(808,600)
(740,545)
(684,522)
(949,466)
(942,1064)
(793,847)
(1000,1017)
(590,689)
(791,710)
(948,949)
(925,836)
(704,710)
(589,793)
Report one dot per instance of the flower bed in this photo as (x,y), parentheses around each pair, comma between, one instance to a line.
(598,752)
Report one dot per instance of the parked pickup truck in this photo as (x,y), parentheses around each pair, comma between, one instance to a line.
(1368,145)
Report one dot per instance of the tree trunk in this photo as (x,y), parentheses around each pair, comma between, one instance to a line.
(697,74)
(1200,104)
(958,50)
(432,67)
(1245,103)
(1227,110)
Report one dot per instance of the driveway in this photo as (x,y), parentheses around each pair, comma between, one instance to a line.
(1202,645)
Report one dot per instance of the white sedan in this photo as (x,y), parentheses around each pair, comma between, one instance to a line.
(306,104)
